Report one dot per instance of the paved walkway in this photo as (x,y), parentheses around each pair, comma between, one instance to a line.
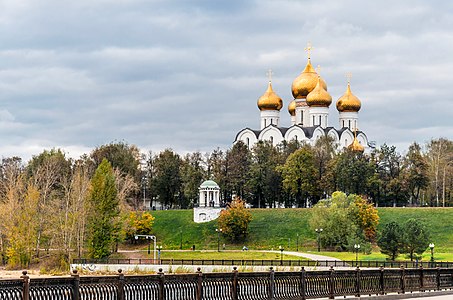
(307,255)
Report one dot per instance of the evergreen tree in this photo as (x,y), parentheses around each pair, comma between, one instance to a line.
(390,240)
(415,238)
(102,221)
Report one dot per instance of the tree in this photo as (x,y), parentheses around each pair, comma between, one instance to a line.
(104,210)
(350,172)
(234,220)
(192,175)
(345,219)
(415,237)
(264,181)
(139,223)
(238,166)
(416,172)
(299,175)
(166,180)
(390,240)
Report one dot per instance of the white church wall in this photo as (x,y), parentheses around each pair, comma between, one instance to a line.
(271,134)
(295,133)
(248,137)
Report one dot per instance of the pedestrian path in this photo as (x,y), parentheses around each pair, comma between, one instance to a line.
(307,255)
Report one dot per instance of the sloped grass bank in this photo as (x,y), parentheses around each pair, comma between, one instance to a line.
(271,228)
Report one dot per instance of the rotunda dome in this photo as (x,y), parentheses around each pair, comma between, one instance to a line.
(356,146)
(270,100)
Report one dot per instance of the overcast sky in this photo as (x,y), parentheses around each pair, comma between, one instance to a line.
(186,75)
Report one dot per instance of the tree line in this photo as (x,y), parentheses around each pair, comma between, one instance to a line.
(51,201)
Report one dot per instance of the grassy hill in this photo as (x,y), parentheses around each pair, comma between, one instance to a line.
(273,227)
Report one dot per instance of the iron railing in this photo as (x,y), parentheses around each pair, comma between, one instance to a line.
(264,262)
(229,286)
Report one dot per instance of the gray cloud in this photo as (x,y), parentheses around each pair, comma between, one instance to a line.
(186,74)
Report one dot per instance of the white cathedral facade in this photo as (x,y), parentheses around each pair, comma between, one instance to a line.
(309,113)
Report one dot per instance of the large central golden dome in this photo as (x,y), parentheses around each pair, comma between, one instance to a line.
(306,82)
(319,96)
(348,102)
(270,100)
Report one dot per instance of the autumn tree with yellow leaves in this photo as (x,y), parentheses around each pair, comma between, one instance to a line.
(234,221)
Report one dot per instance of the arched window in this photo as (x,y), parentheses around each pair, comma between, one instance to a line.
(248,142)
(264,122)
(272,139)
(319,120)
(295,137)
(349,124)
(313,120)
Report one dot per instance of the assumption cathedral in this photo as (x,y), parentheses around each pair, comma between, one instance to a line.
(309,112)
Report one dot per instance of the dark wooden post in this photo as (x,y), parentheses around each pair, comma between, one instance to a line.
(331,289)
(381,281)
(403,279)
(161,284)
(421,278)
(302,283)
(234,286)
(438,278)
(26,287)
(271,283)
(120,285)
(75,285)
(199,284)
(357,282)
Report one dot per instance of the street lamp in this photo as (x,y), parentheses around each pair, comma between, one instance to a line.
(431,246)
(159,248)
(357,248)
(218,238)
(281,254)
(318,232)
(148,237)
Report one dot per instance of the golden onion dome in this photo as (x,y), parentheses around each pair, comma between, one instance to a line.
(319,96)
(292,108)
(270,100)
(348,102)
(306,82)
(356,146)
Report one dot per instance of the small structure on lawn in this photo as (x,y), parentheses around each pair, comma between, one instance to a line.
(208,206)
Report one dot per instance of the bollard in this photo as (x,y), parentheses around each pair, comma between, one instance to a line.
(331,295)
(302,284)
(271,283)
(161,284)
(357,282)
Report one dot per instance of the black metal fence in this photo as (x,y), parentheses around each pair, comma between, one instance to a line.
(229,286)
(265,262)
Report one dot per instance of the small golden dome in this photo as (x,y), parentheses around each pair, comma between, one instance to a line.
(270,100)
(356,146)
(319,96)
(306,82)
(292,108)
(348,102)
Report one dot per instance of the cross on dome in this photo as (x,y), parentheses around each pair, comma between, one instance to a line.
(269,74)
(349,76)
(308,49)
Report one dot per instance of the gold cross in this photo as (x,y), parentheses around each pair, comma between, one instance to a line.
(318,70)
(269,74)
(308,49)
(349,76)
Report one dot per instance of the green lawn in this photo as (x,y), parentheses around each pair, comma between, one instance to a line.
(271,228)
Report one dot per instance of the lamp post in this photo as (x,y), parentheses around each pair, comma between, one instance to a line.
(431,246)
(159,248)
(281,254)
(357,248)
(318,232)
(218,238)
(148,237)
